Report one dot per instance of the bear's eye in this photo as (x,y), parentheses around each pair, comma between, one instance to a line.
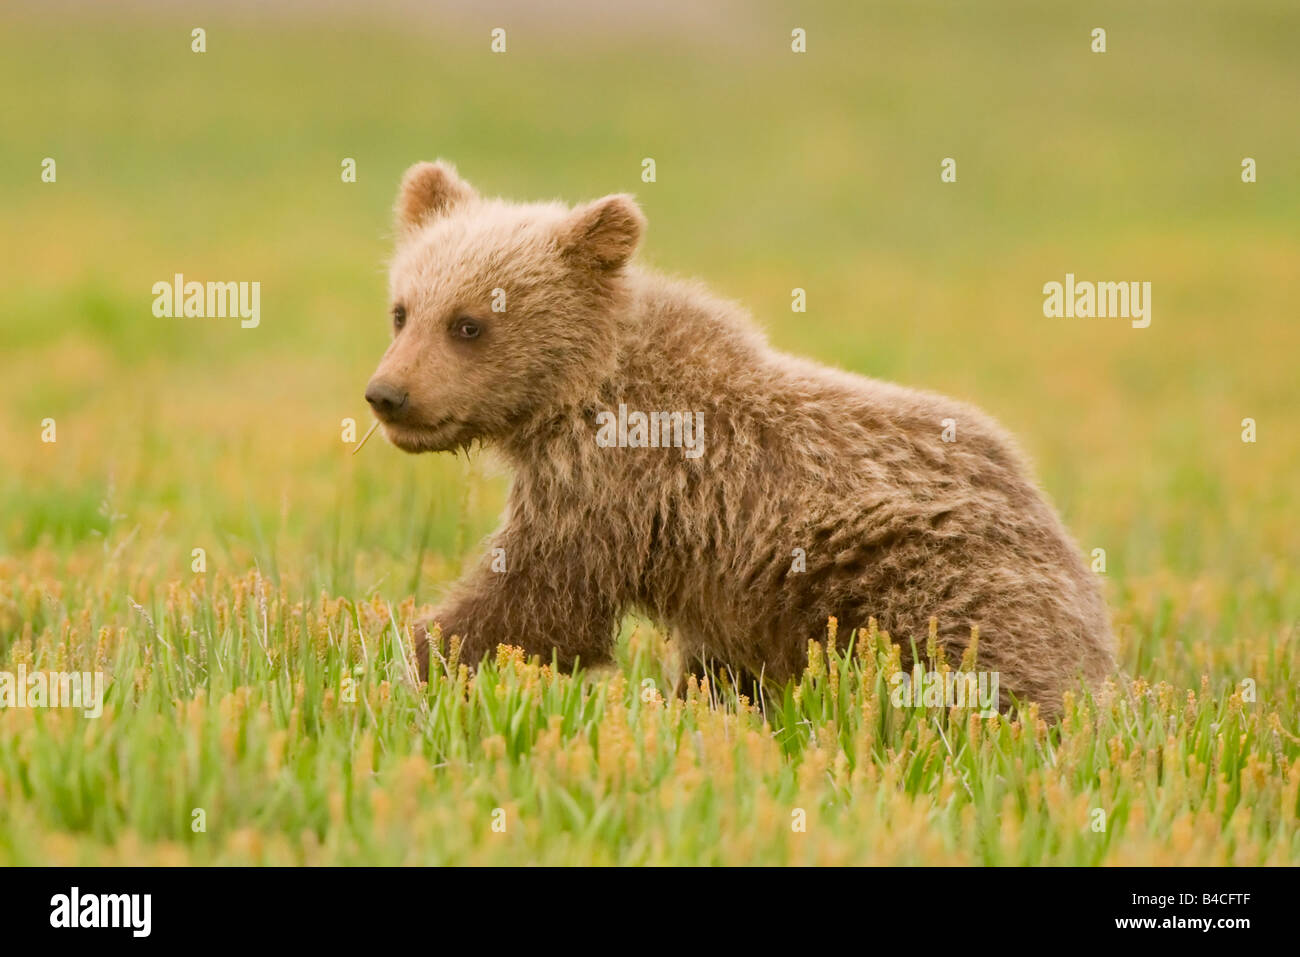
(399,317)
(466,329)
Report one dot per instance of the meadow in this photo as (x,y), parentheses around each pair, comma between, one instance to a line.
(269,697)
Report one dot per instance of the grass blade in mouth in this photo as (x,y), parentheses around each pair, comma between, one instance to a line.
(369,432)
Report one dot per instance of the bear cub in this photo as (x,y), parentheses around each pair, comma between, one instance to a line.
(667,460)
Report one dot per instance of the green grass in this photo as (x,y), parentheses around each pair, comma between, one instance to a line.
(244,726)
(226,688)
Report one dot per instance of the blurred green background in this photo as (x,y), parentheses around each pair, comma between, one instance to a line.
(774,170)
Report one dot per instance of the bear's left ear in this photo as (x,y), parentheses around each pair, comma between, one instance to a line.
(428,191)
(604,234)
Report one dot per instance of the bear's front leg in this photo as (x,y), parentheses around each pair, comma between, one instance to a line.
(539,599)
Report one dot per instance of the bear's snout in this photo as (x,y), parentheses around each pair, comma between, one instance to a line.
(386,399)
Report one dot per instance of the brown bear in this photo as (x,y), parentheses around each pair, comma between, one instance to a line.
(668,461)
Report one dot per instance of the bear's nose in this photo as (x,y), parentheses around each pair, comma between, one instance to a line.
(385,398)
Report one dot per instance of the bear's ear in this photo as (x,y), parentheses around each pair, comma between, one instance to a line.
(604,234)
(429,190)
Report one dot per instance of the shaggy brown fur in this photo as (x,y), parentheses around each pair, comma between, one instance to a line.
(895,522)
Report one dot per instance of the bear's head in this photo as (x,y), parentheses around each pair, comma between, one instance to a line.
(501,313)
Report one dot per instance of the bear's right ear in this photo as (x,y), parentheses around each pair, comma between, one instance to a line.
(429,190)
